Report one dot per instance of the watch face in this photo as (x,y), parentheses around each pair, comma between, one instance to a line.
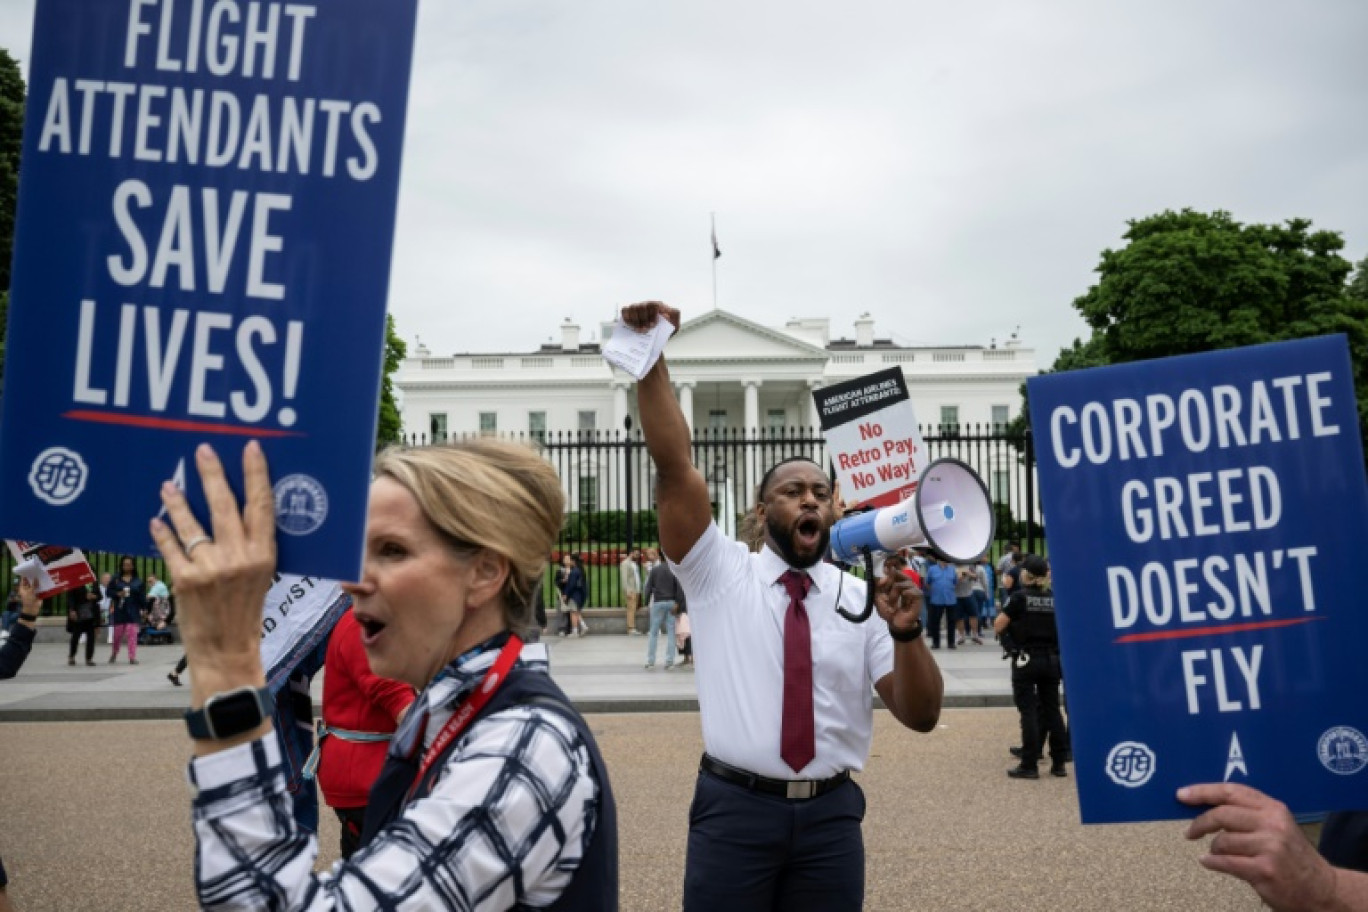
(233,713)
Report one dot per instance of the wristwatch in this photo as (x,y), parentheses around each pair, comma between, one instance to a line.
(230,713)
(906,636)
(30,618)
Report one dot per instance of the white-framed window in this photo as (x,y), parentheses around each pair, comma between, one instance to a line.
(717,419)
(588,494)
(775,420)
(437,427)
(586,421)
(1000,418)
(1002,484)
(489,422)
(949,419)
(536,426)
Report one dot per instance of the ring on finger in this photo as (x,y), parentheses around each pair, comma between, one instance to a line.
(195,542)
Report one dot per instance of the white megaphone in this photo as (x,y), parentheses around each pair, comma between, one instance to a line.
(951,513)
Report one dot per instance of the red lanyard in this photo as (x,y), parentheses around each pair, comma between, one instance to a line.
(476,702)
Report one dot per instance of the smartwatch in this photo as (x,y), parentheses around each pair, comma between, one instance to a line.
(231,713)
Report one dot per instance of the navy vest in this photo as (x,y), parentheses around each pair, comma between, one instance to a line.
(594,886)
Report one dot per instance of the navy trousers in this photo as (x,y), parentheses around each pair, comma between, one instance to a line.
(751,852)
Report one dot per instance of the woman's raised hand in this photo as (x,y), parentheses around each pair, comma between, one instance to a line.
(221,574)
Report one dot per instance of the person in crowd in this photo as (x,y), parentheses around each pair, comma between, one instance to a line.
(966,609)
(493,794)
(576,594)
(683,634)
(1029,620)
(1258,841)
(128,596)
(784,682)
(1009,569)
(360,713)
(15,645)
(942,601)
(174,674)
(158,602)
(562,577)
(106,602)
(83,617)
(649,558)
(985,594)
(663,596)
(630,570)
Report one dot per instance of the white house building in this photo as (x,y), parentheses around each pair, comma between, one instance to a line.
(730,373)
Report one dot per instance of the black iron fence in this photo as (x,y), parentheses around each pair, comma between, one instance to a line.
(609,484)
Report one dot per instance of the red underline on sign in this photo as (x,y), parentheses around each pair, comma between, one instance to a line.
(1210,631)
(174,424)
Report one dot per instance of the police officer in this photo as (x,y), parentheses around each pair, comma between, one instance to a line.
(1028,619)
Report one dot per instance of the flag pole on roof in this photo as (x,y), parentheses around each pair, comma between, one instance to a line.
(717,252)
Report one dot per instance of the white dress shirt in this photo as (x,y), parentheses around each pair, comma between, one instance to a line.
(736,608)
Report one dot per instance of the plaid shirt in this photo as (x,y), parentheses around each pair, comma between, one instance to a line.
(506,824)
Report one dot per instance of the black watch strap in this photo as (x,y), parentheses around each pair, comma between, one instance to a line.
(231,713)
(28,617)
(905,636)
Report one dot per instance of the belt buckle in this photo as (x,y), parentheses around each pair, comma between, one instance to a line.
(801,788)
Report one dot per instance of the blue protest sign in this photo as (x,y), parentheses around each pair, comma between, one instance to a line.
(206,210)
(1206,517)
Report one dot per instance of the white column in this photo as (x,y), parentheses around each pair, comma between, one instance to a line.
(814,420)
(752,420)
(686,388)
(619,403)
(751,430)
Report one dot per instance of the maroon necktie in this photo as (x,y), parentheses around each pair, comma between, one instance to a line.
(797,741)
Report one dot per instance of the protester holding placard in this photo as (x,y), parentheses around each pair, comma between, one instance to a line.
(493,794)
(784,682)
(18,640)
(15,646)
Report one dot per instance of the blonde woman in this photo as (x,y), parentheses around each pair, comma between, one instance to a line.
(493,794)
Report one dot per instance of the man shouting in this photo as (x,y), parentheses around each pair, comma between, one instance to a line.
(783,680)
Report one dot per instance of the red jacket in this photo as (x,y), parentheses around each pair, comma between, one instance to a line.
(357,700)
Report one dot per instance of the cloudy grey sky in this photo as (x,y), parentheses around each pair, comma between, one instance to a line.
(954,169)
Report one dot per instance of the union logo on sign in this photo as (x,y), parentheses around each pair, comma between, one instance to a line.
(1343,750)
(58,476)
(1130,764)
(301,505)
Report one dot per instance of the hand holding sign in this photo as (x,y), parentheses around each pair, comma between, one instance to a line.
(222,585)
(640,337)
(1258,841)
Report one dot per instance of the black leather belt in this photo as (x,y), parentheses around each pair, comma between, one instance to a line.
(793,789)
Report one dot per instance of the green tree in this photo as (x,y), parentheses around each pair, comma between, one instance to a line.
(1192,282)
(389,428)
(11,133)
(1358,285)
(11,136)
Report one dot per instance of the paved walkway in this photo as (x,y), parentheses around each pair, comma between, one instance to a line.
(599,672)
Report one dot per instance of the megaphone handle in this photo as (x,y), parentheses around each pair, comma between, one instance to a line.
(869,593)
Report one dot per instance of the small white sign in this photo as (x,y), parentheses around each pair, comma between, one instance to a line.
(637,352)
